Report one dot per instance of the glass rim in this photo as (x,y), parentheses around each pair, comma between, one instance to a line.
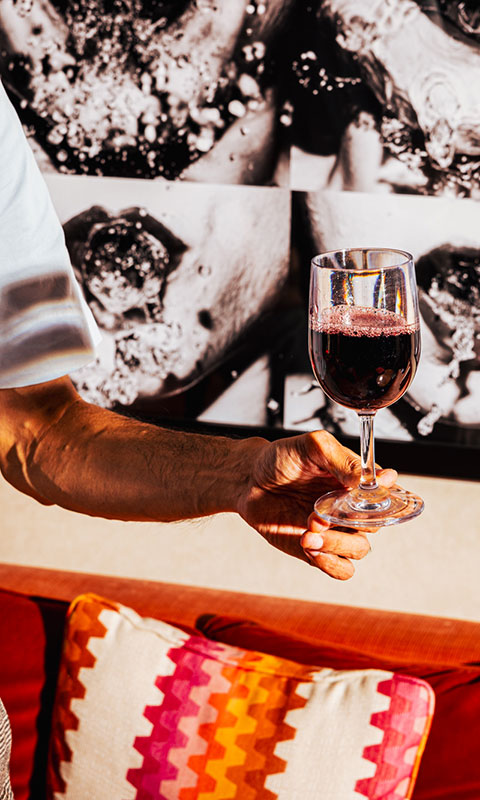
(407,258)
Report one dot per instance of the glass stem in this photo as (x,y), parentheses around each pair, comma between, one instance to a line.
(368,479)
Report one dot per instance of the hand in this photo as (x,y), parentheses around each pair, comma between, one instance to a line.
(287,477)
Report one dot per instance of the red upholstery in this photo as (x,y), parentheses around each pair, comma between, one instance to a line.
(31,635)
(30,642)
(450,766)
(444,651)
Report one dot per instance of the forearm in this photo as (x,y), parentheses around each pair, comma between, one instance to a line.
(96,462)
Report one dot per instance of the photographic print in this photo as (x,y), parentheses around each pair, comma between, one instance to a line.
(443,402)
(181,279)
(387,97)
(135,88)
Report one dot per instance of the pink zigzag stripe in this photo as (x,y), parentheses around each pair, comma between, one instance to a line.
(168,735)
(197,745)
(165,732)
(409,702)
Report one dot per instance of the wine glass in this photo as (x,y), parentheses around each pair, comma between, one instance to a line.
(364,343)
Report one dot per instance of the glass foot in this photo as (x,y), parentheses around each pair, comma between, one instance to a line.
(396,505)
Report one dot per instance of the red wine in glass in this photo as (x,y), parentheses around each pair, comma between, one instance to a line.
(364,358)
(364,343)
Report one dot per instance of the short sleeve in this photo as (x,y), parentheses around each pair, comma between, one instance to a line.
(46,327)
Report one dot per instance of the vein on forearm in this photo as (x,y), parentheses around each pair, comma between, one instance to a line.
(97,462)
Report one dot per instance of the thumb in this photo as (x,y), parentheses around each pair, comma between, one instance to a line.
(334,458)
(343,463)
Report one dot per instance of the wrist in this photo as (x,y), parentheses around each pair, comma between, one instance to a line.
(237,472)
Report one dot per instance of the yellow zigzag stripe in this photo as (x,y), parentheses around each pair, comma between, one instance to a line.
(228,735)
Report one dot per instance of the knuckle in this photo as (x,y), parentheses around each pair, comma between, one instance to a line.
(324,436)
(322,440)
(352,463)
(347,545)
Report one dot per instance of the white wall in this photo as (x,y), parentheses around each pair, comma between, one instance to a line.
(430,565)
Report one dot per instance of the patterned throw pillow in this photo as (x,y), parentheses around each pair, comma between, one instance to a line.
(143,710)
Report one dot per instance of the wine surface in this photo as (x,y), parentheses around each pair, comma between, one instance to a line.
(363,358)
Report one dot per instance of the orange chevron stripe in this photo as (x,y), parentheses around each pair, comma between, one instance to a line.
(234,723)
(250,720)
(254,763)
(75,656)
(218,701)
(271,729)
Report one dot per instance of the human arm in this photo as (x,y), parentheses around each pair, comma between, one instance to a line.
(61,450)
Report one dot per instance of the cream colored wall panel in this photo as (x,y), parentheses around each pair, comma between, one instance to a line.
(429,565)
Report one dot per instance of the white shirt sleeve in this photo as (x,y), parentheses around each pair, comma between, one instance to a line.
(46,327)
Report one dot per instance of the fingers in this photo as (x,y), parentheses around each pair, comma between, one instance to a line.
(349,545)
(387,477)
(336,566)
(333,549)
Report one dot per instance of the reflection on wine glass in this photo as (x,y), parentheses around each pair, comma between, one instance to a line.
(364,342)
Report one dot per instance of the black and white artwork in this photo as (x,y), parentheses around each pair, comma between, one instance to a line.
(443,402)
(182,280)
(200,153)
(148,88)
(387,97)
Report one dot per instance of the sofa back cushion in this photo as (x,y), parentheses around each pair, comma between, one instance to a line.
(145,710)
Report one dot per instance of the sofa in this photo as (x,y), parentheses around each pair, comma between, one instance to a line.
(442,652)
